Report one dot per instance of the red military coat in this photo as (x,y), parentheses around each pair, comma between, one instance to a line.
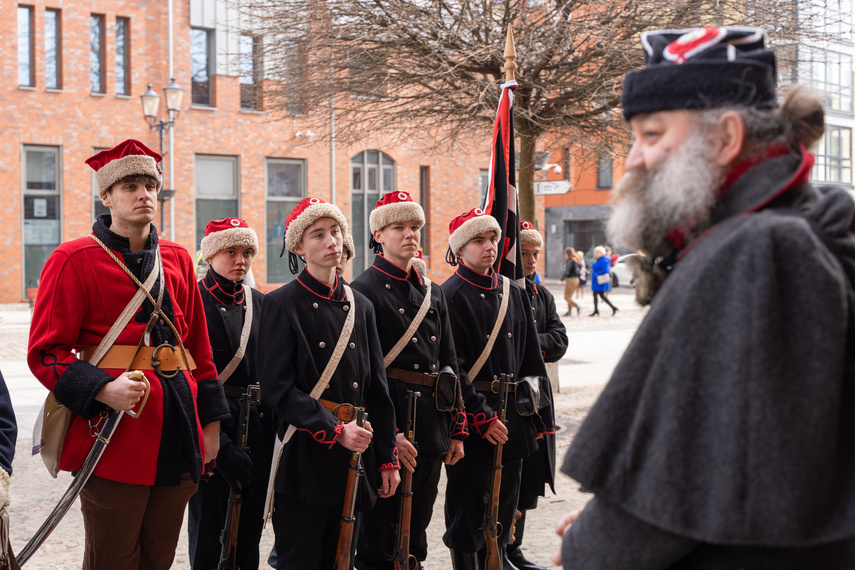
(82,291)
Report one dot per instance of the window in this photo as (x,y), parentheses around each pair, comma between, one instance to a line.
(286,186)
(424,198)
(42,216)
(97,207)
(250,72)
(96,53)
(604,172)
(372,173)
(53,51)
(123,56)
(584,235)
(834,156)
(216,191)
(200,66)
(295,61)
(830,73)
(26,41)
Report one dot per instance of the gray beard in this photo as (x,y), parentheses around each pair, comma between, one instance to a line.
(679,192)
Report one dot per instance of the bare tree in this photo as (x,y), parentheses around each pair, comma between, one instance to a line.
(429,70)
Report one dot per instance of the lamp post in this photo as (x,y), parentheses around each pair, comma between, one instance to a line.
(150,102)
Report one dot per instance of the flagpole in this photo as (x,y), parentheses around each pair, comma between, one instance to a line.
(510,55)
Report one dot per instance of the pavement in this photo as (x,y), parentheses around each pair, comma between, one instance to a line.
(596,344)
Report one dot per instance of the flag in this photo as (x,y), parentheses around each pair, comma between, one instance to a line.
(501,200)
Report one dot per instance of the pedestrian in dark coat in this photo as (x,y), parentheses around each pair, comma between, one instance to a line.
(397,289)
(474,294)
(8,438)
(539,468)
(300,327)
(229,247)
(152,462)
(725,437)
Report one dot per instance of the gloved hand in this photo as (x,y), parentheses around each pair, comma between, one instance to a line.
(234,463)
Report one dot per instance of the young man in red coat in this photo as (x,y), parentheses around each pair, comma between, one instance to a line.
(133,505)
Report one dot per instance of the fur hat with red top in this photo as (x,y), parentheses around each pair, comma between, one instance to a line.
(306,213)
(395,207)
(225,233)
(128,158)
(529,234)
(466,226)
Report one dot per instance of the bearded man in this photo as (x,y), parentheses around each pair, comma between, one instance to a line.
(726,435)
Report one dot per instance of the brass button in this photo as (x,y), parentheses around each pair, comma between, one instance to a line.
(431,311)
(355,385)
(401,311)
(346,308)
(482,295)
(510,335)
(433,366)
(388,286)
(495,377)
(162,322)
(315,305)
(501,295)
(327,387)
(488,337)
(223,309)
(322,344)
(532,309)
(415,340)
(433,339)
(352,345)
(415,366)
(260,415)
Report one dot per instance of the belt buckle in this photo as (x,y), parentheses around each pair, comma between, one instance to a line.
(495,385)
(155,362)
(345,406)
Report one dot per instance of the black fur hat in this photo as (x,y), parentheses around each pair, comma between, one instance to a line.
(701,68)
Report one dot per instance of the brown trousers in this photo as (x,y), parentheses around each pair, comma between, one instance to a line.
(132,526)
(570,285)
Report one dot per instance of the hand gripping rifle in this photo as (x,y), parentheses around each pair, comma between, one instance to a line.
(355,472)
(402,558)
(491,527)
(229,534)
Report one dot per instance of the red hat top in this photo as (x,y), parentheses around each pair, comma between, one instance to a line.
(466,226)
(305,214)
(395,207)
(128,158)
(225,233)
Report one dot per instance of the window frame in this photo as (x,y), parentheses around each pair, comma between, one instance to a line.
(235,160)
(366,167)
(271,256)
(26,193)
(254,90)
(209,46)
(56,47)
(605,176)
(123,87)
(102,64)
(834,168)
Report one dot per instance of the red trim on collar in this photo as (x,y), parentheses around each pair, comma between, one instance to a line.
(327,296)
(407,276)
(738,170)
(493,274)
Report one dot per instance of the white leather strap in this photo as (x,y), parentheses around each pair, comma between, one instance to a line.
(244,337)
(402,342)
(503,308)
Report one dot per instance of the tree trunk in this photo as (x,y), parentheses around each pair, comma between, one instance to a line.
(525,184)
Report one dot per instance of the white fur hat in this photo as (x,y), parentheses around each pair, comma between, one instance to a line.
(468,225)
(305,214)
(227,232)
(529,235)
(395,207)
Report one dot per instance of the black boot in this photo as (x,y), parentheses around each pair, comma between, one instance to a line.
(514,553)
(464,560)
(506,563)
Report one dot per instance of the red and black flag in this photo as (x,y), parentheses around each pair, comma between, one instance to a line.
(501,201)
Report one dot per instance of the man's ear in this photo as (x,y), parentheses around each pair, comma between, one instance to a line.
(106,199)
(730,140)
(378,236)
(298,249)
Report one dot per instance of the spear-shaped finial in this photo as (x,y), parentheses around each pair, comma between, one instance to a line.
(510,56)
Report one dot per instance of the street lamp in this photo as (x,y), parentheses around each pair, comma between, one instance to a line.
(150,102)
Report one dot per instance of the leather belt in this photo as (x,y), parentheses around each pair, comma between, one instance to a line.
(234,391)
(343,412)
(163,358)
(411,377)
(493,386)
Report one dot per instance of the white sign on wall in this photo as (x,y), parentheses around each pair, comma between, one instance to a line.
(552,187)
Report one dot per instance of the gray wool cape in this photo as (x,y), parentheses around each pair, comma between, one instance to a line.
(728,425)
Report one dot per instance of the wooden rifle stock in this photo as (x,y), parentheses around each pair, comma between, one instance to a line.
(344,548)
(491,526)
(402,557)
(229,534)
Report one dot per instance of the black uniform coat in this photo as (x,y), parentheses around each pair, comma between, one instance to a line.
(729,420)
(474,301)
(539,469)
(300,325)
(391,290)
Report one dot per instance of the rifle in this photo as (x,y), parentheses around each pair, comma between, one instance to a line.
(229,534)
(344,549)
(491,526)
(402,558)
